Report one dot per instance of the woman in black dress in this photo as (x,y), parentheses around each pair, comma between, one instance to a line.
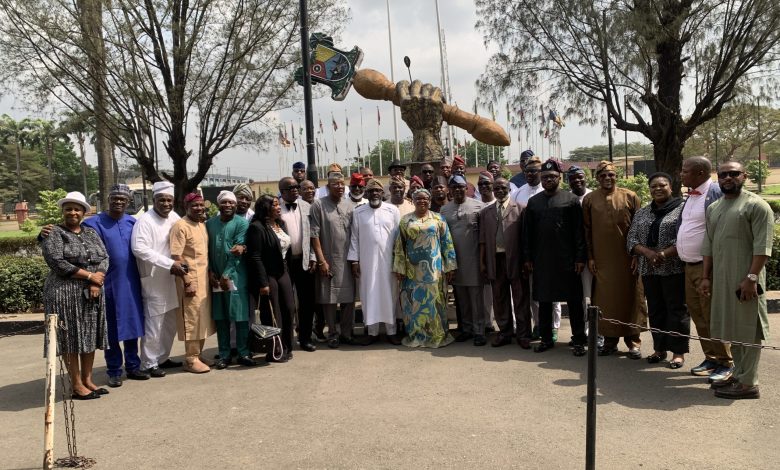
(73,290)
(268,247)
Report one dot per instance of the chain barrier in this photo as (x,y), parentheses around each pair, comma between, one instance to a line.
(682,335)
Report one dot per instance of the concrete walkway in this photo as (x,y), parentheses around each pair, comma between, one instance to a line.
(392,407)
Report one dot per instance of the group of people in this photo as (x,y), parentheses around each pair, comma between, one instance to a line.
(512,250)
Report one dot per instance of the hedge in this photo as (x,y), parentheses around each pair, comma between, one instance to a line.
(21,283)
(20,246)
(773,264)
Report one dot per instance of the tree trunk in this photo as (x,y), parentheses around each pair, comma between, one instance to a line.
(92,32)
(19,168)
(83,155)
(49,152)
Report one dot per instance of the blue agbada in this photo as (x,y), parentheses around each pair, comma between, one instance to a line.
(223,236)
(124,307)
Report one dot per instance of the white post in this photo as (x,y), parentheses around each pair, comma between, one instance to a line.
(51,380)
(392,79)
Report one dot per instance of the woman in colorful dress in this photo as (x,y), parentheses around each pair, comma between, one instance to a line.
(423,257)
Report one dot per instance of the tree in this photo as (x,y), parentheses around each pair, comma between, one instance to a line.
(372,160)
(592,55)
(222,65)
(15,133)
(753,168)
(597,153)
(736,133)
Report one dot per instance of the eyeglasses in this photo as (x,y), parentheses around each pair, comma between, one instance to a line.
(550,177)
(427,171)
(531,171)
(290,188)
(725,174)
(608,175)
(484,183)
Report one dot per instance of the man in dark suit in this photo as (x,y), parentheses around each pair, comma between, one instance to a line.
(500,262)
(295,213)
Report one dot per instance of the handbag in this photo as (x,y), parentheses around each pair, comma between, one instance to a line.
(265,338)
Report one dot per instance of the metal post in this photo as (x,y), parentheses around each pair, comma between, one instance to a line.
(590,437)
(51,376)
(625,132)
(311,162)
(609,133)
(758,122)
(392,79)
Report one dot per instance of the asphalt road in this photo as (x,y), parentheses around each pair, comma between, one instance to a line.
(392,407)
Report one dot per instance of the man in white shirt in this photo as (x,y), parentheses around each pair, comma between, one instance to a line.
(695,175)
(357,188)
(533,184)
(323,191)
(244,199)
(150,244)
(295,213)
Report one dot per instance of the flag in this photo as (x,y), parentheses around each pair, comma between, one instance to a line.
(475,108)
(378,117)
(295,147)
(507,112)
(326,147)
(283,139)
(492,111)
(336,146)
(347,121)
(333,121)
(542,116)
(358,148)
(555,118)
(318,143)
(321,129)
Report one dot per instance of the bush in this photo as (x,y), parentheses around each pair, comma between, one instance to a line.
(19,246)
(752,170)
(21,283)
(773,264)
(29,226)
(48,210)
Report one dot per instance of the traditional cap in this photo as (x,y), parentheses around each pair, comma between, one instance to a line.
(163,187)
(335,176)
(485,176)
(191,197)
(446,160)
(226,196)
(299,166)
(374,183)
(574,170)
(533,161)
(417,179)
(243,189)
(76,198)
(357,180)
(439,181)
(604,166)
(458,160)
(526,154)
(396,164)
(552,165)
(120,190)
(457,179)
(421,191)
(334,168)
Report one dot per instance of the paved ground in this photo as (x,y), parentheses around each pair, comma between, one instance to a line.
(388,407)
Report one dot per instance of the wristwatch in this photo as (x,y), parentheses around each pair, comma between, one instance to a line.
(752,277)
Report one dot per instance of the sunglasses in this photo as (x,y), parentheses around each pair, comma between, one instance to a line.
(290,188)
(427,171)
(531,171)
(726,174)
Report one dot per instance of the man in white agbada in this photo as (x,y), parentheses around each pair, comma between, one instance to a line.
(158,286)
(374,228)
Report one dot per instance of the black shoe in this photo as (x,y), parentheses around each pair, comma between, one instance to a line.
(395,340)
(221,364)
(115,381)
(169,364)
(479,340)
(101,391)
(604,351)
(579,350)
(320,337)
(137,375)
(155,372)
(88,396)
(246,361)
(543,346)
(463,337)
(352,341)
(233,352)
(333,343)
(310,347)
(288,356)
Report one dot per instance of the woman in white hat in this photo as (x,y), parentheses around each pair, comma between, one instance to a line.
(74,291)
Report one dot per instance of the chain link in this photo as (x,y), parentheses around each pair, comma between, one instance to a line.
(681,335)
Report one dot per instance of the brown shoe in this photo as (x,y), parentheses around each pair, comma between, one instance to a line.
(501,340)
(524,343)
(718,384)
(395,340)
(738,391)
(194,365)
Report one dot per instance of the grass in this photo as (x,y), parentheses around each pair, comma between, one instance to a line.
(771,190)
(15,233)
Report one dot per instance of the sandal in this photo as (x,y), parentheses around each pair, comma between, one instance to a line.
(655,358)
(674,364)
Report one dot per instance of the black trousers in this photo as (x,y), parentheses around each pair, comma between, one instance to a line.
(504,288)
(576,312)
(304,290)
(667,311)
(283,303)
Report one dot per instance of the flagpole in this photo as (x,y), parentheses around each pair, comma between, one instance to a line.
(392,79)
(443,73)
(307,106)
(362,137)
(379,139)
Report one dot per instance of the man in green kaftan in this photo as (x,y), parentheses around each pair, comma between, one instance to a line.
(736,247)
(227,275)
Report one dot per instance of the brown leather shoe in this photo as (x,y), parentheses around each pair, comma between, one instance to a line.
(524,343)
(718,384)
(501,340)
(738,391)
(194,365)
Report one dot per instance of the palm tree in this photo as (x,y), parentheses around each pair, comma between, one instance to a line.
(79,124)
(16,133)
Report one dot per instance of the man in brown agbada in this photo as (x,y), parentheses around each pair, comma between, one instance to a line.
(617,290)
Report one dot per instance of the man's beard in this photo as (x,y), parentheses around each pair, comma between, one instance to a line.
(735,190)
(375,203)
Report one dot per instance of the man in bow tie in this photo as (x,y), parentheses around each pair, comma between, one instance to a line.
(295,213)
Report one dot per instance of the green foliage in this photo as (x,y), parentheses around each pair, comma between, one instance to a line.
(19,246)
(21,283)
(596,153)
(752,168)
(773,264)
(637,183)
(29,225)
(775,205)
(48,211)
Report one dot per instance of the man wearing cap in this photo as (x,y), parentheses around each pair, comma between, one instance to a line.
(397,190)
(415,183)
(366,173)
(357,188)
(519,180)
(228,279)
(462,216)
(151,247)
(459,168)
(299,172)
(396,168)
(331,224)
(500,254)
(445,169)
(374,228)
(617,290)
(189,244)
(301,262)
(555,253)
(122,287)
(323,191)
(578,187)
(485,188)
(244,199)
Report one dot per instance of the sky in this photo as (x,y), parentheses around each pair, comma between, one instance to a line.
(414,34)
